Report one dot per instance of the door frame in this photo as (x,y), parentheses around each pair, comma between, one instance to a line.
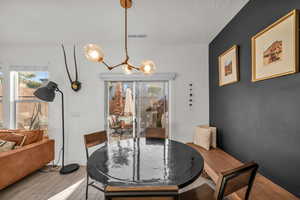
(169,77)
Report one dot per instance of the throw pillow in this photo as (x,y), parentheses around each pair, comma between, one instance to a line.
(18,139)
(202,137)
(213,131)
(32,136)
(6,145)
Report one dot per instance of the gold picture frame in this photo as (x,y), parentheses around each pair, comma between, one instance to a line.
(229,66)
(275,49)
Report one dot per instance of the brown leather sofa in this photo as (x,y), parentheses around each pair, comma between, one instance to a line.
(18,163)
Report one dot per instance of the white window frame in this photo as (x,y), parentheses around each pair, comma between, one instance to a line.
(8,100)
(6,93)
(2,99)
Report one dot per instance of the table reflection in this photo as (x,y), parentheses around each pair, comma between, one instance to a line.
(145,161)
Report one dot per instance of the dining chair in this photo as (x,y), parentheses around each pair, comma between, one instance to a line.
(156,133)
(141,193)
(91,140)
(228,183)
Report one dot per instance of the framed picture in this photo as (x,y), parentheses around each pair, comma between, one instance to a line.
(229,66)
(275,49)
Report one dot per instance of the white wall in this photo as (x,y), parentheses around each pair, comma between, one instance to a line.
(85,109)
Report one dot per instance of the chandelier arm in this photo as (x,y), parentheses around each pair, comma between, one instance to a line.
(134,67)
(118,65)
(114,66)
(107,65)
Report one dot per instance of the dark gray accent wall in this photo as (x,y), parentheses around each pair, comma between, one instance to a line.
(257,121)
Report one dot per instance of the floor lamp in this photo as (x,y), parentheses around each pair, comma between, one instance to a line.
(47,93)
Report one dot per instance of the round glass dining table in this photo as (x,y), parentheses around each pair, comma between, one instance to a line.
(145,161)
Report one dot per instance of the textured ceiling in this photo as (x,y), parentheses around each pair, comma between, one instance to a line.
(163,21)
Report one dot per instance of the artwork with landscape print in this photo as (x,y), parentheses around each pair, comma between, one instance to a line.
(228,66)
(273,53)
(275,49)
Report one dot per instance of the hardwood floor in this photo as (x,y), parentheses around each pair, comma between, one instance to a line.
(53,186)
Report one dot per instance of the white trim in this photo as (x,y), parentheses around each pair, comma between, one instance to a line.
(6,95)
(170,109)
(12,96)
(170,77)
(28,68)
(4,100)
(8,88)
(134,108)
(170,83)
(13,91)
(137,77)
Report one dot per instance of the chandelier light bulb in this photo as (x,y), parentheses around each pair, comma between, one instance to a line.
(148,67)
(93,53)
(127,69)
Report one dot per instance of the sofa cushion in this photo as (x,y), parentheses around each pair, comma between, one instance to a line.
(32,136)
(17,138)
(6,145)
(19,163)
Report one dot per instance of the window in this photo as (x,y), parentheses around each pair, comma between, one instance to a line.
(1,101)
(135,106)
(29,112)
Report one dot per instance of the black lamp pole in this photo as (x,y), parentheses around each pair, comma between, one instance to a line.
(47,93)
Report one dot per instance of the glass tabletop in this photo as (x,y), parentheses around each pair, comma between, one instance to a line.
(145,161)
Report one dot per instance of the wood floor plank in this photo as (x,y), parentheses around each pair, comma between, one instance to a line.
(45,186)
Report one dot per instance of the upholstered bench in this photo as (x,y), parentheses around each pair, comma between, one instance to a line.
(216,161)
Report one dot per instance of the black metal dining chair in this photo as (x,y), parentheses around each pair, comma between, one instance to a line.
(141,192)
(91,140)
(228,183)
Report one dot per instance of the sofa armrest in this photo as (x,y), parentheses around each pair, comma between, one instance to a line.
(18,163)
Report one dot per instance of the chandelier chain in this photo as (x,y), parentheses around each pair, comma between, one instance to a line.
(126,32)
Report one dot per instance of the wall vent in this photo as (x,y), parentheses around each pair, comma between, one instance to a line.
(137,36)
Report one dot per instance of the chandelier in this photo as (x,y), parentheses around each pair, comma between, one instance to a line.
(94,53)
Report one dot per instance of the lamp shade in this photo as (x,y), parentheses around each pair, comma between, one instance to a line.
(46,93)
